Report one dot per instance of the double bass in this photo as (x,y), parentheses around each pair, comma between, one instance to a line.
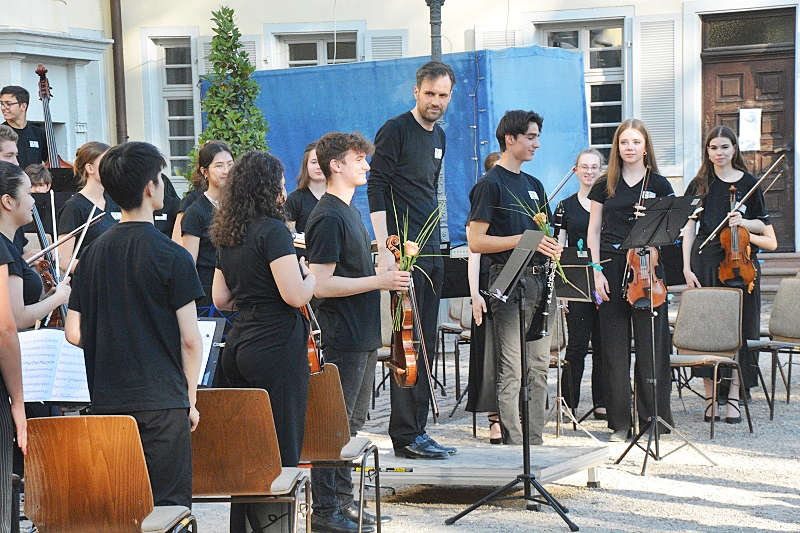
(736,269)
(53,159)
(643,284)
(403,359)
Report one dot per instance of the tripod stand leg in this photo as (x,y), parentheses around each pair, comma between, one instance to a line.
(452,520)
(557,507)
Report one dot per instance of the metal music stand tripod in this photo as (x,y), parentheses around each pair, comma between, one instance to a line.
(659,226)
(502,289)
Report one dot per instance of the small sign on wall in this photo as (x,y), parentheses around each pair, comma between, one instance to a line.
(749,130)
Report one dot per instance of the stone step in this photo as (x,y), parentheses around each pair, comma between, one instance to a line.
(780,259)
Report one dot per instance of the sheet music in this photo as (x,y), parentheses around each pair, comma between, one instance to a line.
(39,351)
(69,383)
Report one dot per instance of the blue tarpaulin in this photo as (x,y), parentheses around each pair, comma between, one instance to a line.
(303,104)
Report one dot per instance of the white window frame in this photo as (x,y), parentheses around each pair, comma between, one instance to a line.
(275,35)
(153,98)
(321,40)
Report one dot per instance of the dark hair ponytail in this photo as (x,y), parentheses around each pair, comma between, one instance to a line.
(10,178)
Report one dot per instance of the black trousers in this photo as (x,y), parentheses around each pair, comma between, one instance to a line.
(583,323)
(409,414)
(616,317)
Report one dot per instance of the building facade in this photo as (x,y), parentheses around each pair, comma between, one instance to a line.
(682,67)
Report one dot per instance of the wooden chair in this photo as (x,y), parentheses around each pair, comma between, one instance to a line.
(708,332)
(88,473)
(235,455)
(327,441)
(784,337)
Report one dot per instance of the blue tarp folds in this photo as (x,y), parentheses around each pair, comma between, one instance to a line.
(301,105)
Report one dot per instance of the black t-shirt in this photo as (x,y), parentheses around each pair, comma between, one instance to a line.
(495,199)
(164,218)
(31,281)
(6,257)
(247,268)
(188,199)
(299,205)
(575,221)
(20,240)
(406,167)
(335,234)
(618,216)
(127,288)
(197,221)
(76,212)
(31,145)
(717,204)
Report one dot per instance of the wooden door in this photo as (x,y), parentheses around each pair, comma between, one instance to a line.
(765,81)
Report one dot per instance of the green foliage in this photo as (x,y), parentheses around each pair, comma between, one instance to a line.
(229,103)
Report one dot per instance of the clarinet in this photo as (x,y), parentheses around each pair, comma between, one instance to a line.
(544,314)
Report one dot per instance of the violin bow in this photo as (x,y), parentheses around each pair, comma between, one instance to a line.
(80,241)
(41,253)
(745,198)
(55,233)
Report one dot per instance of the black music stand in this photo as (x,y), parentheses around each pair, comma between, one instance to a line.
(659,225)
(502,288)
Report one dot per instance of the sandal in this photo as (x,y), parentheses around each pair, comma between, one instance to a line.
(495,419)
(734,419)
(707,416)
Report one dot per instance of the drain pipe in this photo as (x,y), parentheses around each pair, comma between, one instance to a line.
(119,72)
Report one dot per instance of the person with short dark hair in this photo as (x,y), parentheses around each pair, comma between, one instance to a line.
(132,310)
(257,271)
(77,208)
(41,179)
(214,161)
(32,142)
(311,186)
(409,150)
(339,251)
(496,225)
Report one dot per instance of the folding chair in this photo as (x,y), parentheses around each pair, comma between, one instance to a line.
(327,441)
(708,332)
(88,473)
(784,333)
(235,455)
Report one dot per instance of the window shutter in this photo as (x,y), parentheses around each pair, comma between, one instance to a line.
(493,38)
(388,44)
(658,83)
(249,42)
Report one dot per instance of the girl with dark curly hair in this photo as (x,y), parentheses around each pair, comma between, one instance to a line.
(257,271)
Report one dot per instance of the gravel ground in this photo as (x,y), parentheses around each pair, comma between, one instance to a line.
(754,487)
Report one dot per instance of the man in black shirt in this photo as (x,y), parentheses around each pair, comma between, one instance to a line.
(496,224)
(409,150)
(339,251)
(32,143)
(132,309)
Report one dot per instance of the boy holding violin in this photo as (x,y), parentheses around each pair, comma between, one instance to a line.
(339,253)
(724,167)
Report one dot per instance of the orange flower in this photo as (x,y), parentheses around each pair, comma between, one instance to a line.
(540,218)
(411,248)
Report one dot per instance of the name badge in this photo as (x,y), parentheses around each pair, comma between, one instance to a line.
(533,195)
(162,216)
(116,215)
(437,153)
(743,209)
(583,254)
(34,144)
(648,194)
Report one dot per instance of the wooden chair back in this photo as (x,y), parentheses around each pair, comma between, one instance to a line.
(327,430)
(86,473)
(709,321)
(235,447)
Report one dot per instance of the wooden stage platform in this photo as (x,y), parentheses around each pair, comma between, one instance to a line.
(487,465)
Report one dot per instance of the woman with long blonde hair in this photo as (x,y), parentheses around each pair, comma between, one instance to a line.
(611,218)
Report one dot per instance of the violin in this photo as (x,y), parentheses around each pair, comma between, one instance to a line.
(641,269)
(315,360)
(48,271)
(53,159)
(403,360)
(736,269)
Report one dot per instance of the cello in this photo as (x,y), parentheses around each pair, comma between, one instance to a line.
(53,159)
(643,284)
(403,359)
(736,269)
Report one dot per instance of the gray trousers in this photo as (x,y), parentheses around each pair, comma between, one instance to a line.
(507,351)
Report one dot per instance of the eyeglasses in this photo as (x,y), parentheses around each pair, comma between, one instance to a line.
(7,103)
(587,168)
